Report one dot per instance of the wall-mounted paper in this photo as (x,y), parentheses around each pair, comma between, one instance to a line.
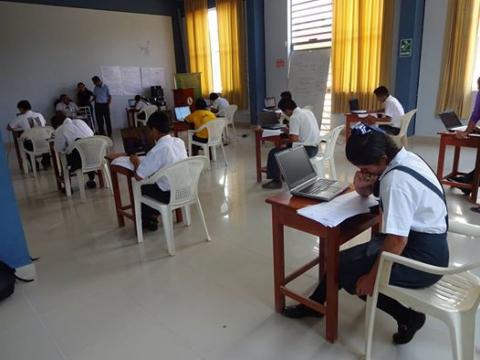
(131,81)
(112,77)
(152,76)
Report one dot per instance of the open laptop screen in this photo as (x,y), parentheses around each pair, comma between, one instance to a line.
(450,119)
(353,105)
(295,166)
(182,112)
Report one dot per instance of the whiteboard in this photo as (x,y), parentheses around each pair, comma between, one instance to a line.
(307,78)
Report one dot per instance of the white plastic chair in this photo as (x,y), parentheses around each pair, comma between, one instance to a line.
(215,130)
(454,299)
(92,152)
(183,178)
(39,137)
(147,110)
(402,139)
(230,117)
(320,161)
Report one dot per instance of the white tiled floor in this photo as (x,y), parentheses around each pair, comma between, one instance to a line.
(100,295)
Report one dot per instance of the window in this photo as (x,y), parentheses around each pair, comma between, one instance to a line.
(214,50)
(310,24)
(476,64)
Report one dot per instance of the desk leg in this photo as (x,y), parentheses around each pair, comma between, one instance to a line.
(332,254)
(321,258)
(179,215)
(456,159)
(476,178)
(441,158)
(278,261)
(118,197)
(17,150)
(130,194)
(56,168)
(258,155)
(348,129)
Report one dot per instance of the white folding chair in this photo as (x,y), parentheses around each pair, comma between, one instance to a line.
(39,137)
(402,139)
(454,299)
(183,177)
(320,161)
(92,151)
(147,110)
(230,117)
(215,129)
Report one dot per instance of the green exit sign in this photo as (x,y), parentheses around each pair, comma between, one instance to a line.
(405,47)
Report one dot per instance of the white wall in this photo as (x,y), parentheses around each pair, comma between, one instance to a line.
(427,124)
(46,50)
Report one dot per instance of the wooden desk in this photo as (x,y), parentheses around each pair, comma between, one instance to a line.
(284,213)
(128,210)
(180,126)
(449,139)
(16,135)
(279,142)
(354,118)
(131,116)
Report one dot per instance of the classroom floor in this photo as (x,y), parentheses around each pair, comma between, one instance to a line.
(100,295)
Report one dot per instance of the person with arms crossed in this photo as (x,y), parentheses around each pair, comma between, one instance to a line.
(219,104)
(103,99)
(67,106)
(392,112)
(303,129)
(84,96)
(414,225)
(67,131)
(168,150)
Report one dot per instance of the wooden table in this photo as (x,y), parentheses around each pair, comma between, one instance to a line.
(449,139)
(16,135)
(355,118)
(279,141)
(284,213)
(131,116)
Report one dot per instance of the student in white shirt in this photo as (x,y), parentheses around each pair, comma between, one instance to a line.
(140,103)
(67,106)
(26,118)
(414,225)
(67,131)
(168,150)
(219,105)
(393,110)
(303,128)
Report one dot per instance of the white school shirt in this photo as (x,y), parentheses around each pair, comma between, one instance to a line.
(220,104)
(304,124)
(28,120)
(407,203)
(394,109)
(70,131)
(69,110)
(168,150)
(141,104)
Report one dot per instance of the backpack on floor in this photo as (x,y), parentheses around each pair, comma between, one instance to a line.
(7,280)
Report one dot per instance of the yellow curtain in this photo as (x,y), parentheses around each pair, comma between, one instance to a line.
(196,19)
(231,38)
(361,50)
(458,56)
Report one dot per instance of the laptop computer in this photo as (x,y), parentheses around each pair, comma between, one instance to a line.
(354,107)
(137,140)
(267,118)
(451,121)
(302,179)
(270,103)
(182,112)
(131,103)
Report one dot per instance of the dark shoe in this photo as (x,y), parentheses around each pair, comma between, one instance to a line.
(300,311)
(466,192)
(151,225)
(274,184)
(460,179)
(406,331)
(91,184)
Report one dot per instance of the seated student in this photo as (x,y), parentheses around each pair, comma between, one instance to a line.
(303,129)
(283,119)
(26,118)
(67,131)
(393,110)
(198,118)
(140,103)
(414,225)
(168,150)
(219,104)
(66,106)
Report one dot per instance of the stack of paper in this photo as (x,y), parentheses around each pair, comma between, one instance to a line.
(339,209)
(268,132)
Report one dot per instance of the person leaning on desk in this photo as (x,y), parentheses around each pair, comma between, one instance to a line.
(414,225)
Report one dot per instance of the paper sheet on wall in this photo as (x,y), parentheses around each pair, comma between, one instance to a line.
(112,77)
(152,76)
(131,81)
(342,207)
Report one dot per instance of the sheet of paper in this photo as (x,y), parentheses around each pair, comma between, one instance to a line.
(124,161)
(131,80)
(112,77)
(342,207)
(268,132)
(152,76)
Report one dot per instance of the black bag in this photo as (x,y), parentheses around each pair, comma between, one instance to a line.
(7,280)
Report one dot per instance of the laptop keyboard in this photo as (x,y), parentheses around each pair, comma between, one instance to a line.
(318,186)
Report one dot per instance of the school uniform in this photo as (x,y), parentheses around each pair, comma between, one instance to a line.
(102,109)
(28,120)
(220,104)
(70,109)
(168,150)
(413,205)
(141,104)
(395,111)
(303,123)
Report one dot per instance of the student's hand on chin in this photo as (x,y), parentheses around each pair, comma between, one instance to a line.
(364,180)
